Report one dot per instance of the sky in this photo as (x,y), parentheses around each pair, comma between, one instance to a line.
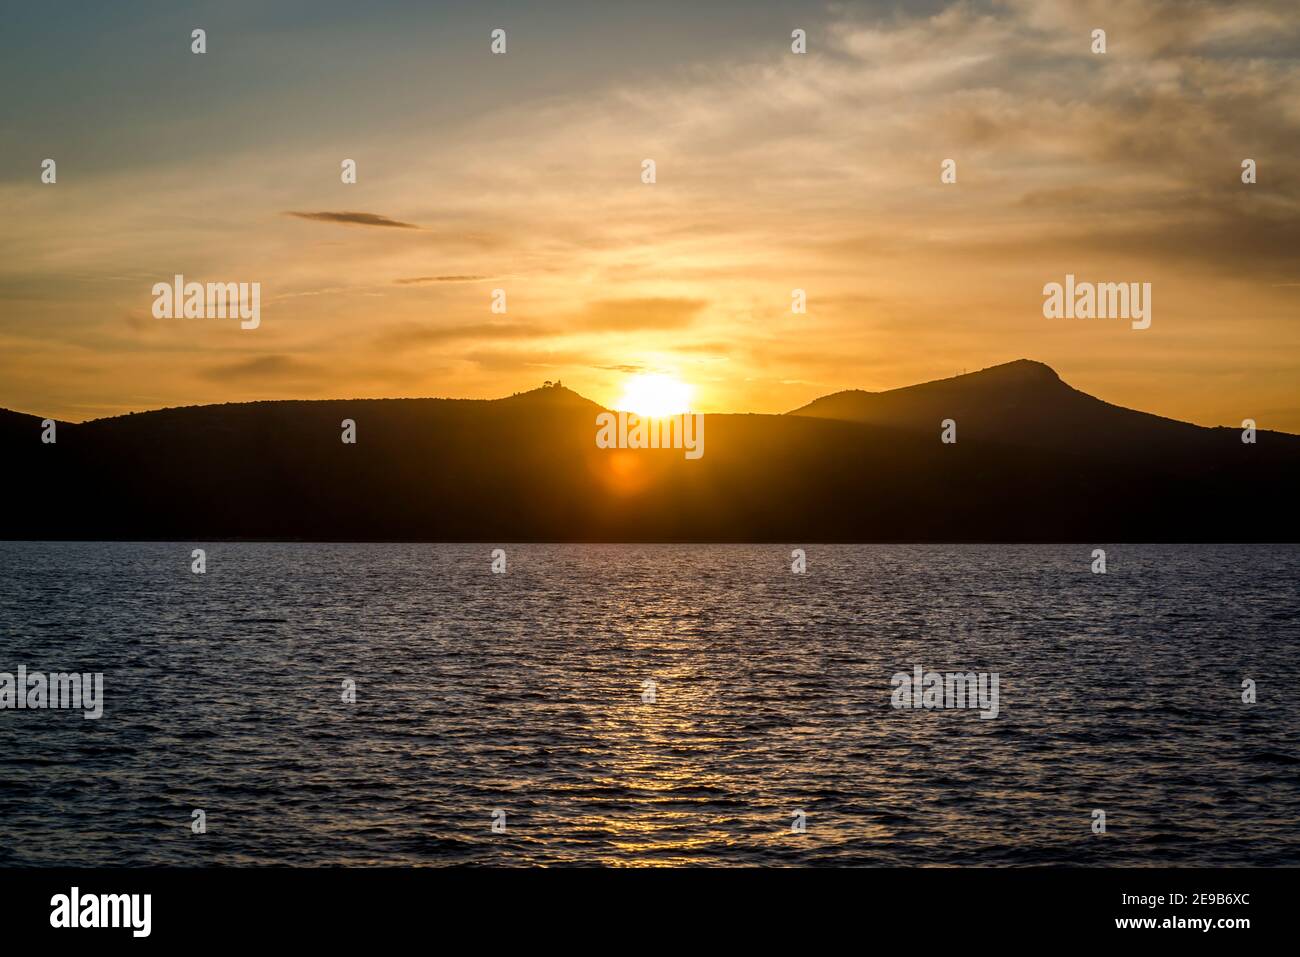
(774,172)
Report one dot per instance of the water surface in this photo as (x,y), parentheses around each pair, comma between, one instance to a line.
(523,692)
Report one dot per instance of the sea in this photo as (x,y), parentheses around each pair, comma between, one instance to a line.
(649,705)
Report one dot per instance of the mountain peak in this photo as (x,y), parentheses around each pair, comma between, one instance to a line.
(1021,370)
(550,395)
(1008,378)
(1018,372)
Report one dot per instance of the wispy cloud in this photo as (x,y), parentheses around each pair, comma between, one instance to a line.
(775,172)
(261,368)
(352,219)
(425,280)
(614,315)
(411,335)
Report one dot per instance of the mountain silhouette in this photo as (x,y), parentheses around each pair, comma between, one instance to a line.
(1022,403)
(1035,460)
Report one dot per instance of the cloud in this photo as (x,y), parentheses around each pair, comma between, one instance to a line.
(271,368)
(424,280)
(616,315)
(411,335)
(628,368)
(352,219)
(775,171)
(608,315)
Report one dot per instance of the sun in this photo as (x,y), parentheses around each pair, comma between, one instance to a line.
(655,396)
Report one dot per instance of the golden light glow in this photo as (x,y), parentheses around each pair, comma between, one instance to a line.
(693,277)
(655,396)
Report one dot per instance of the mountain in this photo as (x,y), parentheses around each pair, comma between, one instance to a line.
(1023,403)
(1035,460)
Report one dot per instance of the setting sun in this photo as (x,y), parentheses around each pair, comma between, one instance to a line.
(655,396)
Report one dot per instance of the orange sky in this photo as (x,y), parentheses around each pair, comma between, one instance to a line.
(775,172)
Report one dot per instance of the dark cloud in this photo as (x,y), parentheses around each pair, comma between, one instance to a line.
(352,219)
(423,280)
(261,367)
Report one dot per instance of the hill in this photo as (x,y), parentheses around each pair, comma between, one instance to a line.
(1035,461)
